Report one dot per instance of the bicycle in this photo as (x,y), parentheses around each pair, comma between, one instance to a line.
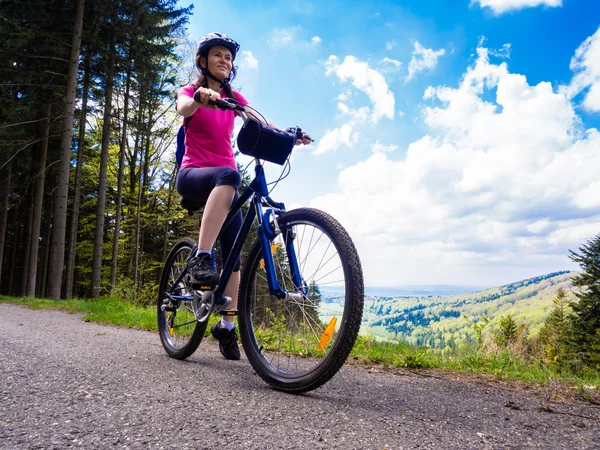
(301,293)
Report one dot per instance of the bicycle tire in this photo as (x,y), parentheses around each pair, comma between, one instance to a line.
(292,330)
(183,335)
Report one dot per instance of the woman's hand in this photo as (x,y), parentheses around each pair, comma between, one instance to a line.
(306,139)
(204,95)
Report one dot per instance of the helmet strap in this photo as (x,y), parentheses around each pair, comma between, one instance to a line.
(221,82)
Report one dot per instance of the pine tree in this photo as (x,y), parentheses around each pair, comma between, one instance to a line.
(553,334)
(507,331)
(585,315)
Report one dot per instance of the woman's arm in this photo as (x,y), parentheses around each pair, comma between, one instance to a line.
(186,106)
(306,140)
(252,114)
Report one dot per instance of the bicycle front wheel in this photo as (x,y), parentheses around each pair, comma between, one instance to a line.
(180,332)
(298,343)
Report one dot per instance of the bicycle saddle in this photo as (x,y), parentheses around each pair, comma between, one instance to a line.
(192,206)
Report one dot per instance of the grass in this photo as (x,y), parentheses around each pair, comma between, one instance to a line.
(108,311)
(499,364)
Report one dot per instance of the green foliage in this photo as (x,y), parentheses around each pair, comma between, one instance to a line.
(553,335)
(126,289)
(507,332)
(585,315)
(478,327)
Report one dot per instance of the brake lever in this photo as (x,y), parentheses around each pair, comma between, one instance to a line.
(299,134)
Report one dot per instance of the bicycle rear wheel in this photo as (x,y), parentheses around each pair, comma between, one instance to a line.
(297,344)
(180,332)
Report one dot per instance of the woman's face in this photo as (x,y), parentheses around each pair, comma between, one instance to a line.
(219,61)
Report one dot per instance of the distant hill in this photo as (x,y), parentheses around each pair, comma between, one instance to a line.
(442,321)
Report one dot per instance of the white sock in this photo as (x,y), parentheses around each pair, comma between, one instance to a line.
(202,251)
(229,325)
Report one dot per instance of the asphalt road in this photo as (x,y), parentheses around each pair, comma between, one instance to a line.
(67,383)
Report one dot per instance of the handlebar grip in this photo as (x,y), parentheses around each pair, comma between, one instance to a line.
(219,103)
(299,134)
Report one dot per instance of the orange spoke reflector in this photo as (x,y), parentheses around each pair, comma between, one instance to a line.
(326,336)
(274,248)
(172,331)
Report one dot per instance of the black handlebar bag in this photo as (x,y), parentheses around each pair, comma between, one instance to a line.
(261,141)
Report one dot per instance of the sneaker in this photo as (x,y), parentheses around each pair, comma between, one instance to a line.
(202,270)
(227,341)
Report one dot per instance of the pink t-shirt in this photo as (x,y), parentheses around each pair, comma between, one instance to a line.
(208,136)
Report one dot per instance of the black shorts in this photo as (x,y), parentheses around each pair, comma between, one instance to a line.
(197,183)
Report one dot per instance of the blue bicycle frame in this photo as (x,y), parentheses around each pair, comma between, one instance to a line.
(258,192)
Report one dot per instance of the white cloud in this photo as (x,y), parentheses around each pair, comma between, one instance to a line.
(379,147)
(390,65)
(367,80)
(359,115)
(502,6)
(422,58)
(390,45)
(502,187)
(343,96)
(249,61)
(335,138)
(503,52)
(293,39)
(589,197)
(586,66)
(284,36)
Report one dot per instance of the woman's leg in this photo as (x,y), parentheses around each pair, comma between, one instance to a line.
(231,290)
(216,187)
(215,213)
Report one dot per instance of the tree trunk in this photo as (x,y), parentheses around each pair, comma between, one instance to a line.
(115,252)
(27,242)
(168,214)
(37,207)
(15,251)
(133,179)
(4,209)
(77,188)
(138,225)
(57,245)
(144,197)
(46,260)
(99,234)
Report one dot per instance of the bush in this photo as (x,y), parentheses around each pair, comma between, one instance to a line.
(125,289)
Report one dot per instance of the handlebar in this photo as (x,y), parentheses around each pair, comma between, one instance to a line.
(232,104)
(225,104)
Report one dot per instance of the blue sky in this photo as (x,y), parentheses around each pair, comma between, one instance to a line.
(457,144)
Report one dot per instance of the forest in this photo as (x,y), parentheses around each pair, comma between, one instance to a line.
(87,134)
(441,322)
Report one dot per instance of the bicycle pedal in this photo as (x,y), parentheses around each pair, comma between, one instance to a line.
(222,306)
(203,287)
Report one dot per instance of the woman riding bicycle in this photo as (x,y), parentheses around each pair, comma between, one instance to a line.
(208,172)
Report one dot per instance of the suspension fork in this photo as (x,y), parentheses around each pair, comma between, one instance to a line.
(268,230)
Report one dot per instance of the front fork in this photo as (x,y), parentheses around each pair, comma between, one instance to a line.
(268,229)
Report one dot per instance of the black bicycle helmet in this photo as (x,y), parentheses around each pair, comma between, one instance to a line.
(212,39)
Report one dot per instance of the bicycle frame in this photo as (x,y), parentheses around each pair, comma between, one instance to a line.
(257,192)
